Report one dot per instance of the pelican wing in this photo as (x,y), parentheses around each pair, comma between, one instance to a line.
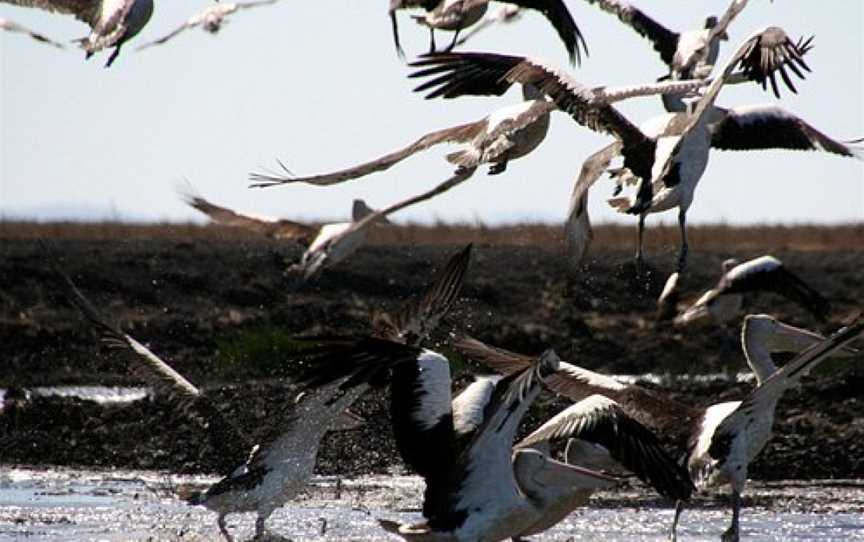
(558,14)
(665,41)
(455,134)
(254,4)
(771,127)
(265,226)
(191,23)
(497,359)
(600,420)
(769,274)
(12,26)
(577,228)
(88,11)
(469,406)
(485,469)
(416,319)
(775,385)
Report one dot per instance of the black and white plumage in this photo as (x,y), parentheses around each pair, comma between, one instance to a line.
(479,491)
(732,434)
(687,54)
(722,303)
(210,19)
(12,26)
(458,15)
(674,422)
(683,144)
(112,22)
(506,134)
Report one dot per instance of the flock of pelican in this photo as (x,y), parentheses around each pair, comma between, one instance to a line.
(480,484)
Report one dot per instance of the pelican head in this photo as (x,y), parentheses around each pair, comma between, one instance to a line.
(711,22)
(729,263)
(779,337)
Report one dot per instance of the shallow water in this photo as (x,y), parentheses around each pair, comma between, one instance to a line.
(75,505)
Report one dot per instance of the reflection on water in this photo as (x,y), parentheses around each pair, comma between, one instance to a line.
(122,505)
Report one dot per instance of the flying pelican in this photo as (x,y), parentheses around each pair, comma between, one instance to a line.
(113,22)
(722,303)
(340,241)
(487,492)
(457,15)
(320,252)
(506,134)
(688,54)
(12,26)
(682,424)
(674,161)
(272,474)
(210,19)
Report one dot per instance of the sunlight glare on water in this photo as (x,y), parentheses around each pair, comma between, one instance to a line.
(78,505)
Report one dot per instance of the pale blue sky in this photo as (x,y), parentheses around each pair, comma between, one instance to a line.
(318,85)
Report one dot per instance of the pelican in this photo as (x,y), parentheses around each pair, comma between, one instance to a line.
(722,303)
(682,424)
(320,252)
(691,137)
(339,241)
(210,19)
(12,26)
(272,474)
(506,14)
(688,54)
(487,491)
(506,134)
(113,22)
(457,15)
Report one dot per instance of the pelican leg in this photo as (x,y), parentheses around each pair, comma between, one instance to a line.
(453,43)
(498,167)
(260,530)
(682,225)
(673,533)
(432,47)
(223,528)
(731,534)
(640,234)
(114,55)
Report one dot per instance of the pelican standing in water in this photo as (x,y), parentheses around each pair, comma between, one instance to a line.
(458,15)
(210,19)
(684,425)
(113,22)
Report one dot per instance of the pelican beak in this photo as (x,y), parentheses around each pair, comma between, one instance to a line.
(794,339)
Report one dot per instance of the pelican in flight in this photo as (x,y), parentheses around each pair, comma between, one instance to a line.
(674,161)
(210,19)
(508,133)
(274,473)
(325,246)
(722,303)
(112,22)
(688,54)
(686,426)
(340,241)
(12,26)
(689,139)
(458,15)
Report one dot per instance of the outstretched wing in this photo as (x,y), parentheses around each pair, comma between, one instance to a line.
(600,420)
(416,319)
(557,13)
(665,41)
(83,10)
(12,26)
(771,127)
(284,229)
(455,134)
(191,23)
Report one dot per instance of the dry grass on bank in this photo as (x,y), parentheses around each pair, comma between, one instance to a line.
(708,237)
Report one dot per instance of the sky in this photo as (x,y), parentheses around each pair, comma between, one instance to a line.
(319,86)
